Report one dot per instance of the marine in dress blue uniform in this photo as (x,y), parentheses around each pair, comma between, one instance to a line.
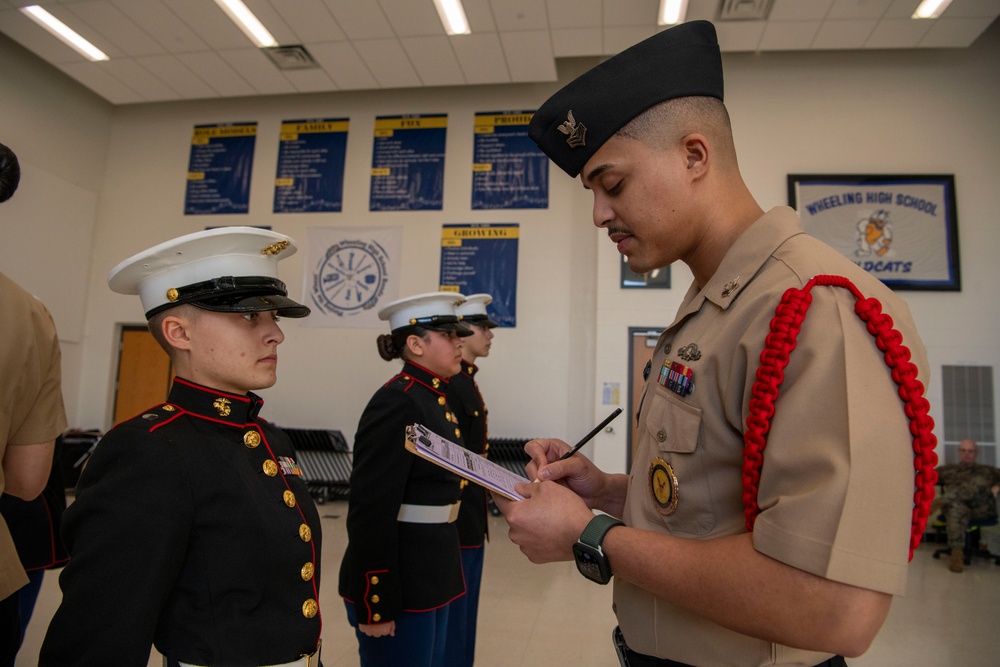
(192,530)
(470,409)
(402,563)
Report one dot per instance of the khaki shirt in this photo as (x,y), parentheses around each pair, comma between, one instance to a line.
(837,482)
(31,405)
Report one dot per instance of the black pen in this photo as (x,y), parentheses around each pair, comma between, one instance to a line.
(590,435)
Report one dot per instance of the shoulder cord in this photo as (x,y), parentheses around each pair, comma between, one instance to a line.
(779,344)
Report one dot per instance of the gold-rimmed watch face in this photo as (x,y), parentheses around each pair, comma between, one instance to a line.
(664,486)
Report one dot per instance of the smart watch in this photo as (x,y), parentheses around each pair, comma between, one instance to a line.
(590,558)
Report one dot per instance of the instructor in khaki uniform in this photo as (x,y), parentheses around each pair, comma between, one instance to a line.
(648,134)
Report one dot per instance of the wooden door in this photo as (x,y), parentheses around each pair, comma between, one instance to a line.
(642,343)
(144,373)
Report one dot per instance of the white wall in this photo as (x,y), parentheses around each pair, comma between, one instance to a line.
(830,112)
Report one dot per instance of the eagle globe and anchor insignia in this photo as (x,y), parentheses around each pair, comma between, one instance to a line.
(350,278)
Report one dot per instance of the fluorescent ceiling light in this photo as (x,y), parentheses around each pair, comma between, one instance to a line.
(247,22)
(69,36)
(672,12)
(931,9)
(452,16)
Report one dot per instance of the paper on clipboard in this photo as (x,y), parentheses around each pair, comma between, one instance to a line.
(429,445)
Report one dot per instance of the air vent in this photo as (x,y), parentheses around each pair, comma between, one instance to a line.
(744,10)
(293,56)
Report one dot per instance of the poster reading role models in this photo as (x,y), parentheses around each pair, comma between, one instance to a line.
(219,169)
(479,258)
(310,176)
(350,272)
(408,163)
(508,170)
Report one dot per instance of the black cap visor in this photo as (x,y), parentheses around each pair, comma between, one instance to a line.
(243,294)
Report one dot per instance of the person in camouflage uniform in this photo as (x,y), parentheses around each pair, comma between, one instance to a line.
(970,491)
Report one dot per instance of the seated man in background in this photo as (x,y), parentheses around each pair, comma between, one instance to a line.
(970,491)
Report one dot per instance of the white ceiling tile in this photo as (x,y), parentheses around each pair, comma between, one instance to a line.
(95,77)
(116,28)
(575,13)
(900,9)
(33,37)
(210,23)
(65,14)
(217,73)
(310,80)
(412,19)
(388,63)
(529,55)
(258,70)
(967,9)
(858,9)
(834,35)
(789,35)
(360,19)
(572,42)
(897,34)
(480,16)
(310,20)
(163,25)
(175,74)
(630,12)
(481,58)
(141,80)
(617,39)
(434,60)
(954,33)
(799,10)
(740,35)
(272,19)
(703,10)
(343,65)
(517,15)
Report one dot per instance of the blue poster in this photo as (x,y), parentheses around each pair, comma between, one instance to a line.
(310,176)
(482,258)
(508,169)
(408,163)
(218,179)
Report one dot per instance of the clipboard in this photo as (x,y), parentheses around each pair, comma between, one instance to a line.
(454,457)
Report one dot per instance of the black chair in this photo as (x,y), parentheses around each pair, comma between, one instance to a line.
(971,548)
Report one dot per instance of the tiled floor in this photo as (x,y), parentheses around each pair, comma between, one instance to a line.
(549,616)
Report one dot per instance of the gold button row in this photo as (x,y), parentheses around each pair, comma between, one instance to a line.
(310,608)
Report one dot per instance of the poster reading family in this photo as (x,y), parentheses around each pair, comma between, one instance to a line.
(901,229)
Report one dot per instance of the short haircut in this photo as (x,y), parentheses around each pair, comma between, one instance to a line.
(155,324)
(663,123)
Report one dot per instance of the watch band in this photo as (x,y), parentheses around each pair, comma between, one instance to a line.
(598,527)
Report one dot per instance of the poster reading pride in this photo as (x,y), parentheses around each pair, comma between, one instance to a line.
(508,169)
(408,163)
(218,179)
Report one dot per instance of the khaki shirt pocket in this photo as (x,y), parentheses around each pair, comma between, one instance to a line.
(671,430)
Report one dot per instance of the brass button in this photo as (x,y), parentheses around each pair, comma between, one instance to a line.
(305,532)
(374,581)
(458,434)
(173,294)
(661,435)
(376,617)
(270,468)
(289,498)
(307,571)
(441,400)
(251,439)
(475,413)
(169,408)
(486,447)
(464,483)
(375,599)
(309,608)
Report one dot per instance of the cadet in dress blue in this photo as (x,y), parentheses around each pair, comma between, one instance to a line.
(402,567)
(470,409)
(192,530)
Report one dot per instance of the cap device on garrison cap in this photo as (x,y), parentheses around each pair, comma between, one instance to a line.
(683,61)
(432,310)
(228,269)
(473,310)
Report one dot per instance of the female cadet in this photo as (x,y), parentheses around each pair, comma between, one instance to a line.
(402,566)
(192,529)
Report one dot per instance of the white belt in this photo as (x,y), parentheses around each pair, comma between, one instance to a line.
(304,661)
(428,513)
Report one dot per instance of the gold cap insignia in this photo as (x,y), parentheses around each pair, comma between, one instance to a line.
(274,248)
(172,294)
(577,132)
(221,406)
